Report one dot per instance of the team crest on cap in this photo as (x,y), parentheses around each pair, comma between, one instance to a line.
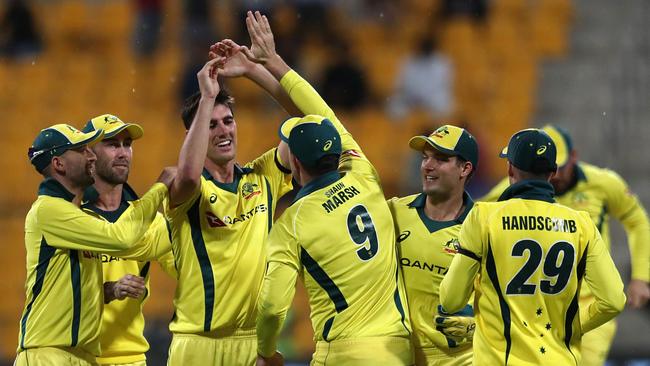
(249,190)
(441,132)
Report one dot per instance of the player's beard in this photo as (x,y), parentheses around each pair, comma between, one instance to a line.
(83,176)
(108,172)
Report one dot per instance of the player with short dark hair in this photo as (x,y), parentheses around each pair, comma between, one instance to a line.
(427,225)
(337,235)
(126,273)
(61,320)
(602,193)
(532,255)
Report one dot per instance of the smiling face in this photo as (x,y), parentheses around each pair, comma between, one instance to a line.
(442,174)
(114,158)
(222,147)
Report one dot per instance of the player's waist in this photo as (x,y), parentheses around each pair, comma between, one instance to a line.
(365,342)
(117,360)
(440,352)
(219,333)
(76,352)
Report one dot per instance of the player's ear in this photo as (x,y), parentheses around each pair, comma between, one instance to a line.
(467,169)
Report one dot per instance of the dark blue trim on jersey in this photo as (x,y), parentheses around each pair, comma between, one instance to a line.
(601,218)
(269,203)
(91,196)
(398,301)
(144,272)
(51,187)
(491,269)
(327,327)
(318,183)
(230,187)
(433,225)
(204,261)
(323,280)
(278,164)
(44,255)
(538,190)
(572,311)
(75,279)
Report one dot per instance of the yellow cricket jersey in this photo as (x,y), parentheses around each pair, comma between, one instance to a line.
(218,241)
(426,248)
(603,193)
(532,256)
(64,292)
(121,336)
(338,236)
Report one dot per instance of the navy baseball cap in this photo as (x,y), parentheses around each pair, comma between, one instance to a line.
(563,143)
(531,150)
(311,137)
(450,140)
(56,140)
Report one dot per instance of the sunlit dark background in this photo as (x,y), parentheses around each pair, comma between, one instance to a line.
(390,69)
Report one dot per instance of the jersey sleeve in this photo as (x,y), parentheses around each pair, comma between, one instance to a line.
(307,99)
(458,284)
(153,245)
(71,228)
(279,177)
(174,212)
(625,207)
(603,279)
(496,192)
(278,287)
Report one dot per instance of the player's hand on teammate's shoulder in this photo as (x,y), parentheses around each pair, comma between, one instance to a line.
(262,43)
(236,63)
(275,360)
(167,176)
(638,294)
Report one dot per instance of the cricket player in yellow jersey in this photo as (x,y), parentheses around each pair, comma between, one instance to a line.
(62,315)
(121,336)
(220,214)
(427,225)
(531,255)
(602,193)
(338,235)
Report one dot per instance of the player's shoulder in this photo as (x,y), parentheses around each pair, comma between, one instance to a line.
(402,202)
(596,175)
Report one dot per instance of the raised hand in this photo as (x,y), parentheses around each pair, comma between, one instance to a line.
(262,43)
(207,77)
(236,63)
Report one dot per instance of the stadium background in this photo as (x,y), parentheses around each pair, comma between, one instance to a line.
(583,64)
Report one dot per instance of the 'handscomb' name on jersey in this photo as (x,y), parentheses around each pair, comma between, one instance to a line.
(538,223)
(338,194)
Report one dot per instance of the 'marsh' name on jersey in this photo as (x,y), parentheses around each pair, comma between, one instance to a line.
(538,223)
(338,194)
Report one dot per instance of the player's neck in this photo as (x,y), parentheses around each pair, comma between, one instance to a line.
(223,173)
(75,189)
(446,208)
(110,195)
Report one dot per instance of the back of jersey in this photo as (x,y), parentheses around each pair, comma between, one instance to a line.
(345,242)
(533,261)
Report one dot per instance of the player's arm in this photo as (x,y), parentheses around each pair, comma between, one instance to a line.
(496,192)
(195,146)
(626,208)
(604,281)
(153,245)
(278,287)
(302,94)
(67,226)
(457,286)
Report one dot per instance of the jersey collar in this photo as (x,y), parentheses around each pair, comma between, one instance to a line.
(53,188)
(90,202)
(530,190)
(433,225)
(318,183)
(230,187)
